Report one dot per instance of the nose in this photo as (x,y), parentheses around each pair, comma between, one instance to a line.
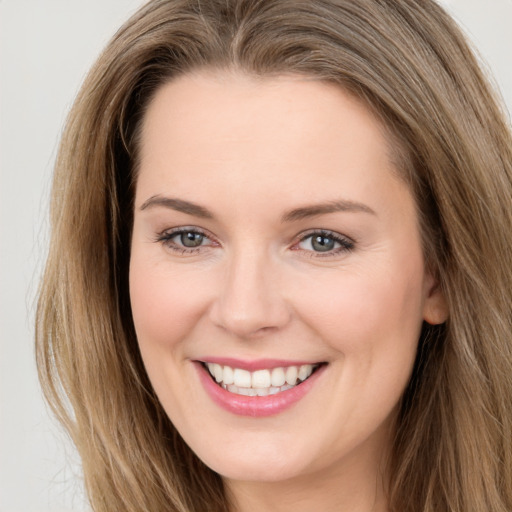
(250,301)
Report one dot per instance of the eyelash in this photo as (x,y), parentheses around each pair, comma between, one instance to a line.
(345,244)
(166,238)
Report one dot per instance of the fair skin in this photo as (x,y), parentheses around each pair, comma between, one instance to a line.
(239,258)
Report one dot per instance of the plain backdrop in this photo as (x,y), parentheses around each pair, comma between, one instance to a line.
(46,47)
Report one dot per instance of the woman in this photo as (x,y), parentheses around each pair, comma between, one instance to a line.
(278,276)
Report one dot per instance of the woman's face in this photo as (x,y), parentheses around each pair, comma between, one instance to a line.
(273,241)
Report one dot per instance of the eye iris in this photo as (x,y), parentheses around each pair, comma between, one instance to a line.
(191,239)
(322,243)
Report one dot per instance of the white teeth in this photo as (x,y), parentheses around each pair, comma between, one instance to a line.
(260,382)
(228,375)
(247,391)
(278,377)
(261,379)
(242,378)
(305,371)
(233,389)
(218,372)
(291,375)
(261,391)
(255,391)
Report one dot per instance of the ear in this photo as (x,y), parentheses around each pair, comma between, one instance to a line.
(435,308)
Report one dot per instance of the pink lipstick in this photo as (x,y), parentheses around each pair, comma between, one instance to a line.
(257,388)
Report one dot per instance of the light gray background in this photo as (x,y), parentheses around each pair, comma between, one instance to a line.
(46,47)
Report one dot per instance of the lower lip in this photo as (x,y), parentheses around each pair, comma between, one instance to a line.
(256,406)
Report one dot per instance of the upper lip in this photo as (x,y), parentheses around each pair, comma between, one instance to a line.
(255,364)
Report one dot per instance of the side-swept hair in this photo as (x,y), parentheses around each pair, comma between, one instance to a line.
(408,61)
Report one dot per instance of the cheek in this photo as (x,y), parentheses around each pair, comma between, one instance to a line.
(367,309)
(165,305)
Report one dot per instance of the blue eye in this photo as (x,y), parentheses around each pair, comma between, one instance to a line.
(190,238)
(325,242)
(184,239)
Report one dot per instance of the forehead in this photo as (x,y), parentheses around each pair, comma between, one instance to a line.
(280,133)
(213,100)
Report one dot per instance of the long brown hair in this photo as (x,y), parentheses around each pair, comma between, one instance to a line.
(412,66)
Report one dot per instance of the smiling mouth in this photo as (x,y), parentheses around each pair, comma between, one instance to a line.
(263,382)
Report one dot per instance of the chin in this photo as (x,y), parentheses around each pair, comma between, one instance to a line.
(257,470)
(273,462)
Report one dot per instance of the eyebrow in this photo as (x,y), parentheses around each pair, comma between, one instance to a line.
(313,210)
(180,205)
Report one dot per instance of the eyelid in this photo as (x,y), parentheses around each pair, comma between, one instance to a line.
(165,237)
(346,243)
